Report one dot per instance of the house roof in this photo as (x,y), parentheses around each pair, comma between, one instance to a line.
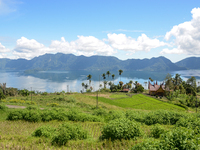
(155,87)
(125,90)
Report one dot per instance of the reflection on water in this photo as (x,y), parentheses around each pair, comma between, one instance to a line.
(52,81)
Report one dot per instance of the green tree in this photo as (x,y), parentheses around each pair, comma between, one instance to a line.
(105,83)
(108,73)
(113,76)
(177,80)
(89,78)
(120,73)
(169,81)
(104,76)
(131,82)
(83,85)
(192,82)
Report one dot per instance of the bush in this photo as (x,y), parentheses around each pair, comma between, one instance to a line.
(67,132)
(15,115)
(3,107)
(32,108)
(100,112)
(53,104)
(48,115)
(113,114)
(121,129)
(178,138)
(44,131)
(2,96)
(32,116)
(135,115)
(157,130)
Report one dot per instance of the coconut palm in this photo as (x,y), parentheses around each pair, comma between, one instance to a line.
(131,82)
(105,82)
(104,76)
(120,73)
(108,73)
(83,85)
(89,78)
(113,76)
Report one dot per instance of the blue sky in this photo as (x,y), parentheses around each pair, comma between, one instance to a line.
(122,28)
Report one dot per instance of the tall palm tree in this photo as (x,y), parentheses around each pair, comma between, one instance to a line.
(89,78)
(105,82)
(131,82)
(120,73)
(83,85)
(113,76)
(108,73)
(104,76)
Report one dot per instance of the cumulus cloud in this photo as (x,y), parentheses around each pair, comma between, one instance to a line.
(84,45)
(28,49)
(3,49)
(186,36)
(142,43)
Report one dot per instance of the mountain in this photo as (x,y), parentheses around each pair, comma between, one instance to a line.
(190,63)
(61,61)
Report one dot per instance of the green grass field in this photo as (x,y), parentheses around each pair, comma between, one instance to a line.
(140,101)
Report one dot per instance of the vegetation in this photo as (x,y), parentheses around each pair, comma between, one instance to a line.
(133,120)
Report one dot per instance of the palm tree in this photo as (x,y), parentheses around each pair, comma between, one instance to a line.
(113,76)
(131,82)
(83,85)
(104,76)
(120,73)
(105,82)
(108,73)
(86,86)
(89,78)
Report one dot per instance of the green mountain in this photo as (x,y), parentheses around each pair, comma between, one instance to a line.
(61,61)
(190,63)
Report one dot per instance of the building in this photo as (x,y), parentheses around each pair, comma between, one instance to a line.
(155,89)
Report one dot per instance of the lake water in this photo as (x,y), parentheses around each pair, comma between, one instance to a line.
(57,81)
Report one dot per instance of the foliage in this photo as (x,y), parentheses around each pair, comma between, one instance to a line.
(115,114)
(100,112)
(11,91)
(24,92)
(32,116)
(44,131)
(53,104)
(3,107)
(178,138)
(67,132)
(2,96)
(157,130)
(121,129)
(15,115)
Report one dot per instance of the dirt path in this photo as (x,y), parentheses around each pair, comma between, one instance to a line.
(15,106)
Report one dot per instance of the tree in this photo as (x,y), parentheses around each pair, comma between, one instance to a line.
(192,82)
(108,73)
(150,79)
(105,82)
(120,73)
(113,76)
(89,78)
(86,86)
(104,76)
(177,80)
(131,82)
(83,85)
(168,82)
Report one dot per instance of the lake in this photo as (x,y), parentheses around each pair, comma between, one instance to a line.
(57,81)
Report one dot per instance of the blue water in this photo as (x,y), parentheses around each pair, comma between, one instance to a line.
(57,81)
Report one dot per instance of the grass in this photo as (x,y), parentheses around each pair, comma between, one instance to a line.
(141,101)
(17,134)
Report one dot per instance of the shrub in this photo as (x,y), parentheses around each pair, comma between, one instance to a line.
(113,114)
(149,144)
(2,96)
(135,115)
(100,112)
(157,130)
(32,108)
(68,132)
(121,129)
(53,104)
(44,93)
(30,102)
(32,116)
(48,115)
(15,115)
(44,131)
(3,107)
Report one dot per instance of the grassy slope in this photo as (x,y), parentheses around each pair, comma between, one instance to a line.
(140,101)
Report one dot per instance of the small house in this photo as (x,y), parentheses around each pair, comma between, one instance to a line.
(155,89)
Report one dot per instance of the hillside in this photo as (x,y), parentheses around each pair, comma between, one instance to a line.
(190,63)
(61,61)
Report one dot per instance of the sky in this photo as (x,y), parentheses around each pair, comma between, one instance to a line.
(126,29)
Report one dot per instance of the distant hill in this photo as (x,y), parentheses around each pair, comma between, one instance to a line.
(61,61)
(189,63)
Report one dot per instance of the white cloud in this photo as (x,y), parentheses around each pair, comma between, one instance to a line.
(87,46)
(172,51)
(143,43)
(186,36)
(28,49)
(3,49)
(84,45)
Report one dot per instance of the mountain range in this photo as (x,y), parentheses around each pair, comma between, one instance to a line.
(61,61)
